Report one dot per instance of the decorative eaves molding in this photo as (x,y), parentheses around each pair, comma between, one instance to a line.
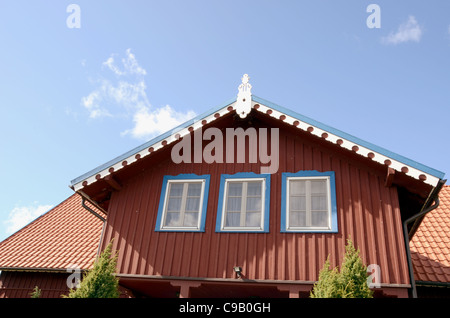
(359,148)
(244,103)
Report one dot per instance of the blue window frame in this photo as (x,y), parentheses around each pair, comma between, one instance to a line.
(183,203)
(244,203)
(308,202)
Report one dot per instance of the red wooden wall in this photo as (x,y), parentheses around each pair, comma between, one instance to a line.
(21,284)
(367,211)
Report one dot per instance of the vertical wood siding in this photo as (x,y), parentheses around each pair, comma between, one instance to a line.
(368,212)
(21,284)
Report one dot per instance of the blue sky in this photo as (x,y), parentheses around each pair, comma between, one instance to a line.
(74,98)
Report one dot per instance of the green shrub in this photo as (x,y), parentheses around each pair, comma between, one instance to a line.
(100,281)
(328,284)
(36,293)
(349,282)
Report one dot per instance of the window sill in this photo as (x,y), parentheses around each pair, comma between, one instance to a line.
(242,231)
(309,231)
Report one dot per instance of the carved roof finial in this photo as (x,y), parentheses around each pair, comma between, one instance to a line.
(244,97)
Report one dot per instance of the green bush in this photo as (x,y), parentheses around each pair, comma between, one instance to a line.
(36,293)
(100,281)
(349,282)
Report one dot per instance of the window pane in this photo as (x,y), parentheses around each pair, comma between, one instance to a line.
(232,219)
(234,204)
(253,219)
(297,203)
(297,219)
(297,187)
(319,219)
(254,188)
(172,219)
(192,204)
(319,203)
(308,203)
(235,188)
(174,205)
(182,205)
(253,204)
(243,204)
(195,189)
(190,219)
(318,186)
(176,189)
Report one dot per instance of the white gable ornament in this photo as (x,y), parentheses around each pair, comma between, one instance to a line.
(244,97)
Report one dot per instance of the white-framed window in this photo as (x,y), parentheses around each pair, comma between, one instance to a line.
(308,202)
(243,203)
(183,203)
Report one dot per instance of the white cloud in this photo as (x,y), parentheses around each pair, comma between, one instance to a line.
(21,216)
(406,32)
(92,104)
(129,63)
(110,64)
(147,123)
(126,96)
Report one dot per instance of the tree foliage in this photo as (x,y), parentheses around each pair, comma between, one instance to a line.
(349,282)
(36,292)
(327,286)
(100,281)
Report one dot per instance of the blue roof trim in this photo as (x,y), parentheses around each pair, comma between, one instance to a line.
(385,152)
(151,142)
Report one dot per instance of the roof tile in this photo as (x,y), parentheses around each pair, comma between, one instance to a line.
(430,246)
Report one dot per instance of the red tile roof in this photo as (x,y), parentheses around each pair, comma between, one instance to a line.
(430,246)
(66,235)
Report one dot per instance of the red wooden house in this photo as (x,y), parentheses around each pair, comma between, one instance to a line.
(250,198)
